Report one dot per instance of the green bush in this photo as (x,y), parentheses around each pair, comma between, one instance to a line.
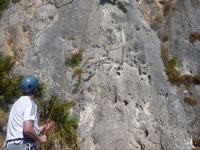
(66,124)
(9,83)
(65,130)
(3,5)
(173,74)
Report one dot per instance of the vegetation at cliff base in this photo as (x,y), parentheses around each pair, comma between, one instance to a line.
(66,124)
(9,83)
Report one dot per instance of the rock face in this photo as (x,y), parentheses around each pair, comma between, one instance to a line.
(124,99)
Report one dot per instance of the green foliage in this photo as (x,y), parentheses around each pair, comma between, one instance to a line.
(9,84)
(3,4)
(40,95)
(66,124)
(173,74)
(172,63)
(190,100)
(76,58)
(194,36)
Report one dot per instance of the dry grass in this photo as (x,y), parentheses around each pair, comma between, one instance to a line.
(63,36)
(165,37)
(77,71)
(16,1)
(164,54)
(187,80)
(167,7)
(71,38)
(194,36)
(196,140)
(197,79)
(89,89)
(63,26)
(192,101)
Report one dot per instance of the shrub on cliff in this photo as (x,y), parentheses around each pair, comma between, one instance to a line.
(66,124)
(9,83)
(3,5)
(76,58)
(194,36)
(190,100)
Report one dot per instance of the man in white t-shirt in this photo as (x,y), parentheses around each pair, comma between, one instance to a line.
(23,124)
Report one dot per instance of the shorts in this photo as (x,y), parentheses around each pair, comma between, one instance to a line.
(21,146)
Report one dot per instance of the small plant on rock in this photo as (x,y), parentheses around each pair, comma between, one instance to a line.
(158,19)
(187,80)
(71,38)
(196,141)
(76,58)
(191,101)
(164,54)
(194,36)
(197,79)
(9,83)
(77,71)
(167,7)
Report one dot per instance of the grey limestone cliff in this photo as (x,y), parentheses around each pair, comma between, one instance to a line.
(124,99)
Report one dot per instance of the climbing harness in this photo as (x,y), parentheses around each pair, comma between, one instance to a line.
(66,70)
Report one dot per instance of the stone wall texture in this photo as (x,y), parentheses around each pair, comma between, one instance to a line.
(124,99)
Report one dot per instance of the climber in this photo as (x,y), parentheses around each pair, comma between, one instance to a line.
(22,126)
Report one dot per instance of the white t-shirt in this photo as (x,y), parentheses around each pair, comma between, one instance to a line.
(23,109)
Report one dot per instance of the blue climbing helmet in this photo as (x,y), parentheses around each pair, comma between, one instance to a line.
(28,84)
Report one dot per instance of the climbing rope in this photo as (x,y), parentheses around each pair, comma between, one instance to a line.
(66,71)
